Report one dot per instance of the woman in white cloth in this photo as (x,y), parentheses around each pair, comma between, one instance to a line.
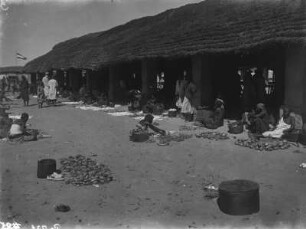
(52,89)
(285,125)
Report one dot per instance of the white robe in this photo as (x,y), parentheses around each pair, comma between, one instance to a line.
(279,131)
(52,89)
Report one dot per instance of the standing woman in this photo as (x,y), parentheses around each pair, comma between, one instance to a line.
(24,91)
(52,90)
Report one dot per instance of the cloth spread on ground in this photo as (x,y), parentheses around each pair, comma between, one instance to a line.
(279,131)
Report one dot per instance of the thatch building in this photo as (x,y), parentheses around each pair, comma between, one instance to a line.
(210,40)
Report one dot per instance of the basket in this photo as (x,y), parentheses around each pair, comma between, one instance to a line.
(139,137)
(239,197)
(46,167)
(235,128)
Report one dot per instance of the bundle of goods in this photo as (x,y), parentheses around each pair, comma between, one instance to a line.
(172,112)
(81,171)
(139,135)
(235,127)
(263,145)
(213,136)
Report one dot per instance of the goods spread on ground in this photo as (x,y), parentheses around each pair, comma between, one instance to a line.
(267,145)
(81,171)
(212,135)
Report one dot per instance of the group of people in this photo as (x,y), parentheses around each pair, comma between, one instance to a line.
(47,90)
(260,122)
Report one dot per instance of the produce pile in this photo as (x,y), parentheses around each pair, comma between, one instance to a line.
(81,171)
(213,135)
(263,146)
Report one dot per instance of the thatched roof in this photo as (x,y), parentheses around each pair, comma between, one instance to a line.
(11,69)
(211,26)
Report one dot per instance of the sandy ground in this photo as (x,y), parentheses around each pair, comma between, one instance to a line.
(154,186)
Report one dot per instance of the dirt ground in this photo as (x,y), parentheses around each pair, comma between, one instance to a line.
(154,186)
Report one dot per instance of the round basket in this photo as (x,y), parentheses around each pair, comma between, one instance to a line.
(139,137)
(46,167)
(235,128)
(239,197)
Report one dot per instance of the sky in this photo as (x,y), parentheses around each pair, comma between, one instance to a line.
(33,27)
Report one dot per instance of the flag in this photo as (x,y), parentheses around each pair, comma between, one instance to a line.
(19,56)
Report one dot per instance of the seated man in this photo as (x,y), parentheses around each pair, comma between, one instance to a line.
(285,125)
(18,130)
(217,118)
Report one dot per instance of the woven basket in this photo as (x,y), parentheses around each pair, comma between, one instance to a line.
(239,197)
(235,128)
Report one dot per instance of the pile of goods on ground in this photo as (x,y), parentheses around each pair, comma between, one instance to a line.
(81,171)
(213,135)
(263,145)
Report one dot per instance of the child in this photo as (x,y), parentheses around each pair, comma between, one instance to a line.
(40,94)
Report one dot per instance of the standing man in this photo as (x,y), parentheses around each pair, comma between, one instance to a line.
(45,81)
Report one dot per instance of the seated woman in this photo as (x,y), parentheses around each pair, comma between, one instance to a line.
(259,121)
(18,130)
(285,125)
(217,118)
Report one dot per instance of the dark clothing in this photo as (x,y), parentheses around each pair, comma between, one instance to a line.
(191,89)
(182,89)
(260,121)
(249,92)
(260,88)
(216,120)
(24,90)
